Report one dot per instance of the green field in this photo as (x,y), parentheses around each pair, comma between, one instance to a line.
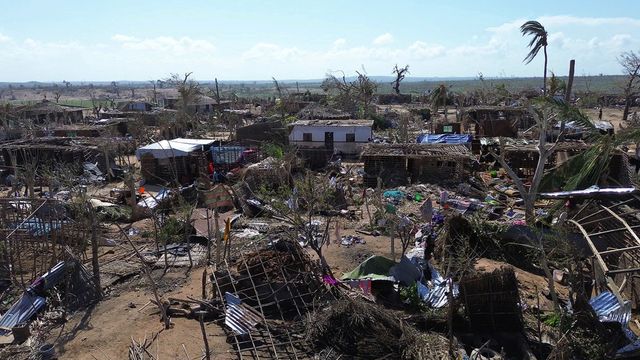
(597,84)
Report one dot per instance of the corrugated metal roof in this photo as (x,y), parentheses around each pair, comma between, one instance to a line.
(608,308)
(239,317)
(23,310)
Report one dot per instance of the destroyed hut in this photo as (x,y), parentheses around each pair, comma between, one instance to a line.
(401,164)
(497,120)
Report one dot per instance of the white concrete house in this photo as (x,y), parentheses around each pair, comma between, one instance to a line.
(342,136)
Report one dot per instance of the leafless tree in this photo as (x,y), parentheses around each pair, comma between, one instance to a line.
(189,90)
(95,103)
(301,206)
(400,75)
(546,113)
(155,92)
(355,96)
(630,62)
(115,88)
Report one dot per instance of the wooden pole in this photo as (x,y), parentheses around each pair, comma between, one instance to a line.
(95,264)
(208,238)
(218,239)
(204,283)
(207,354)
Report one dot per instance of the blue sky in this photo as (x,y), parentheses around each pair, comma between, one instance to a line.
(252,40)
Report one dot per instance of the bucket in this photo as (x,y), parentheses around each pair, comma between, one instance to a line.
(21,333)
(47,352)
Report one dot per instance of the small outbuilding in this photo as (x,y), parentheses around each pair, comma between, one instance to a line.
(180,160)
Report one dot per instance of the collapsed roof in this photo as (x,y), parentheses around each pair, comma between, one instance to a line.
(417,150)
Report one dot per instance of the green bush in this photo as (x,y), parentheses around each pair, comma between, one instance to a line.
(410,296)
(273,150)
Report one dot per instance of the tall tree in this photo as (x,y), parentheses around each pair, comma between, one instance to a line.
(538,41)
(189,92)
(630,62)
(400,75)
(355,96)
(439,97)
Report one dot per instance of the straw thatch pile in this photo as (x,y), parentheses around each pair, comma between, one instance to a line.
(358,328)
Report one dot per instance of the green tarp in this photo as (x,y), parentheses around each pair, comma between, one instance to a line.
(376,268)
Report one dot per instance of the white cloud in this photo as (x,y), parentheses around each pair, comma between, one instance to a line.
(271,51)
(165,44)
(339,42)
(4,38)
(123,38)
(384,39)
(420,50)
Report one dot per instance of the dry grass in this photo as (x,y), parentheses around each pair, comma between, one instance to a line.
(358,328)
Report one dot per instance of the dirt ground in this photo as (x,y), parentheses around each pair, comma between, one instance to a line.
(611,114)
(105,330)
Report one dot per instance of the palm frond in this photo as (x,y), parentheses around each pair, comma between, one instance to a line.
(538,40)
(568,113)
(628,136)
(580,171)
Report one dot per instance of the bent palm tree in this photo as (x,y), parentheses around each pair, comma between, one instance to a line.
(539,41)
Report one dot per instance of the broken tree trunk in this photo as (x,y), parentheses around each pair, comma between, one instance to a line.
(567,94)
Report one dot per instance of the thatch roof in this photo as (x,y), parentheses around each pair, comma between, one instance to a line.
(47,107)
(317,111)
(417,150)
(345,122)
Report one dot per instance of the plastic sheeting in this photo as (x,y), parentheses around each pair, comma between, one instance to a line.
(591,192)
(375,268)
(444,139)
(151,202)
(437,295)
(39,227)
(227,155)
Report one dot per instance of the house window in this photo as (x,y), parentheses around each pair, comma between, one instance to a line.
(351,137)
(307,137)
(447,129)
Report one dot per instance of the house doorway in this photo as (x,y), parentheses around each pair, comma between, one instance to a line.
(328,140)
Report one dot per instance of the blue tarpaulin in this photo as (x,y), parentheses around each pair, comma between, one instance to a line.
(226,155)
(444,139)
